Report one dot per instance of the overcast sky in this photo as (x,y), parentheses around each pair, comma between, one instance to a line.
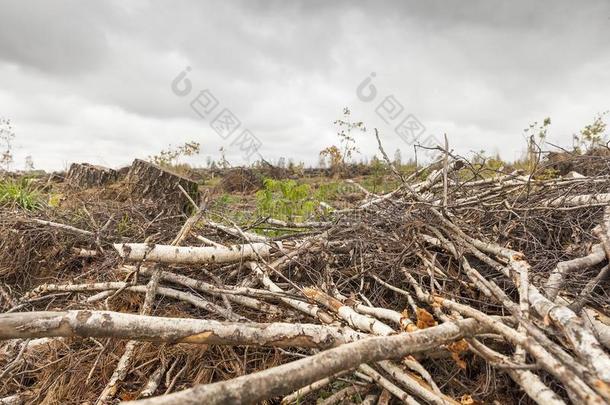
(92,80)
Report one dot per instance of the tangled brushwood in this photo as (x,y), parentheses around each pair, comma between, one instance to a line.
(458,287)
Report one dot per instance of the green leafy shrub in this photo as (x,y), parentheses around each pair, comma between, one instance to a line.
(592,135)
(168,158)
(328,191)
(285,199)
(20,193)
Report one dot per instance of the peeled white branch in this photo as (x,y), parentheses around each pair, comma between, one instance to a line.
(290,224)
(16,399)
(249,236)
(414,386)
(209,242)
(584,343)
(530,382)
(387,314)
(305,307)
(538,351)
(300,393)
(556,279)
(233,294)
(387,384)
(353,318)
(67,228)
(119,285)
(578,200)
(600,329)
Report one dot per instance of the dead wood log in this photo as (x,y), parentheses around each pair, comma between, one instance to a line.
(192,254)
(154,381)
(581,339)
(284,379)
(118,325)
(546,358)
(416,386)
(529,381)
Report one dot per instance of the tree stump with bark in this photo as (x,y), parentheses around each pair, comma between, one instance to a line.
(160,186)
(85,175)
(241,180)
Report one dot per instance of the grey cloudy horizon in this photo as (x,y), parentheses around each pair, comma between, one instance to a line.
(91,80)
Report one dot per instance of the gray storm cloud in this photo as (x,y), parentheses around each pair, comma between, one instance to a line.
(88,80)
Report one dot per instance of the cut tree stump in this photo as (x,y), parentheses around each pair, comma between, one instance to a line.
(241,180)
(85,175)
(150,182)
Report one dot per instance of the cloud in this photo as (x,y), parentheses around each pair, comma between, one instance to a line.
(87,80)
(60,38)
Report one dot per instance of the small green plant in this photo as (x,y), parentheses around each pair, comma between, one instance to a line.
(398,159)
(223,202)
(346,126)
(29,163)
(55,200)
(285,199)
(168,157)
(20,193)
(223,163)
(123,225)
(6,138)
(328,191)
(548,174)
(592,135)
(337,157)
(378,172)
(334,156)
(536,136)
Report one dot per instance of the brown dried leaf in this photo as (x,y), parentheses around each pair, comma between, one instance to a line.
(456,349)
(468,400)
(129,396)
(425,319)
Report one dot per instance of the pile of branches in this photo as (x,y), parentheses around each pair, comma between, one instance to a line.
(453,288)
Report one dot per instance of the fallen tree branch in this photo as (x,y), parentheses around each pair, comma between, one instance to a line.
(118,325)
(191,254)
(284,379)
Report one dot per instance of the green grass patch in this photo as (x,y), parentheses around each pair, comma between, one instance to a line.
(20,193)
